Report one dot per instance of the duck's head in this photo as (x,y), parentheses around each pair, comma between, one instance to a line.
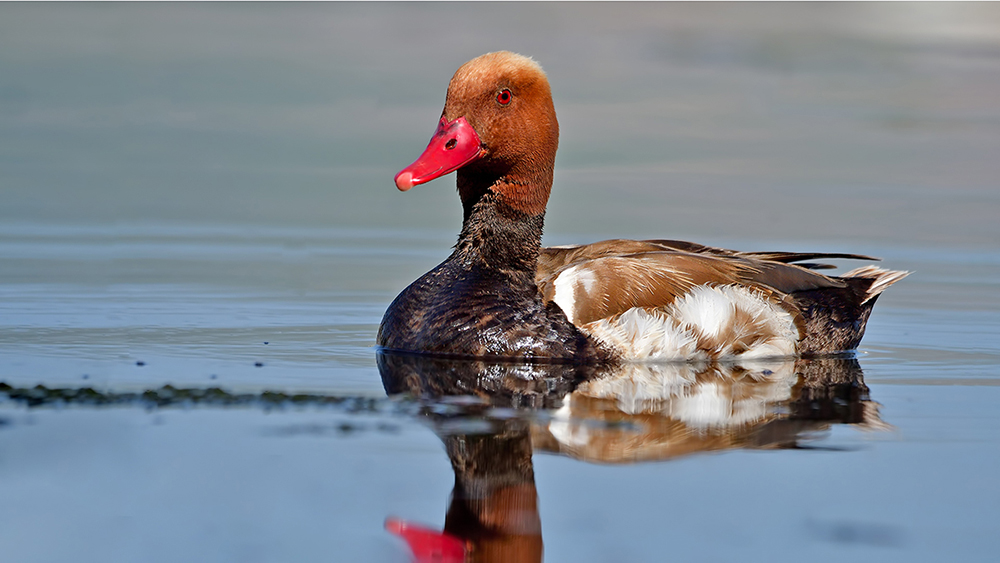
(498,130)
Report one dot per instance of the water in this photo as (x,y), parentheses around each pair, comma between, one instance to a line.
(199,235)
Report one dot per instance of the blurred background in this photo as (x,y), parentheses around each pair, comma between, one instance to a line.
(828,122)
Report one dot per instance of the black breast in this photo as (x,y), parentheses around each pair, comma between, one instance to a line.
(483,301)
(474,310)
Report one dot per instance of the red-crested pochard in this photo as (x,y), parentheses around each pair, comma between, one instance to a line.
(500,294)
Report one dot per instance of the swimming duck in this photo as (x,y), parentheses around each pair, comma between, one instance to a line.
(501,295)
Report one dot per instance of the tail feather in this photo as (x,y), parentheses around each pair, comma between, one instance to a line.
(881,279)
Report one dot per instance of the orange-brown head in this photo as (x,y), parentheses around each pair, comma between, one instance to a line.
(498,129)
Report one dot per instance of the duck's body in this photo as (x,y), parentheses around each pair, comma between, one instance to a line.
(500,294)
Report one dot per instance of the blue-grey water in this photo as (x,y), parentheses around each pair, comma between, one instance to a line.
(200,197)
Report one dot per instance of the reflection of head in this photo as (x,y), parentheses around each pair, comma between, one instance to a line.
(494,505)
(493,515)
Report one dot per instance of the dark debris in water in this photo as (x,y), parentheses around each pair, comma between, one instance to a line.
(168,396)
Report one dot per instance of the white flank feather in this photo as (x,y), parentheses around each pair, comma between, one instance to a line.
(704,308)
(573,283)
(705,323)
(645,334)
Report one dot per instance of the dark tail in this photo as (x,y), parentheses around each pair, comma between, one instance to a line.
(835,318)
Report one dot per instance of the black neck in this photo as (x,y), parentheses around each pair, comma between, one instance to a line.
(499,237)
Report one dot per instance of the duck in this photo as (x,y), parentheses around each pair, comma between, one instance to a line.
(501,295)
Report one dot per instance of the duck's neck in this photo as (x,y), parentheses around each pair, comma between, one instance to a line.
(500,237)
(504,212)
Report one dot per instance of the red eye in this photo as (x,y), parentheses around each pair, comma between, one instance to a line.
(504,97)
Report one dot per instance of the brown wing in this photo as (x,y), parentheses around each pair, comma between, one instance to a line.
(555,257)
(798,258)
(609,277)
(600,287)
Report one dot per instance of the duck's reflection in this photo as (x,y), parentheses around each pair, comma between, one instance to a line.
(620,414)
(517,385)
(656,412)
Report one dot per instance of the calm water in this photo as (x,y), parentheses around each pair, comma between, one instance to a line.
(199,235)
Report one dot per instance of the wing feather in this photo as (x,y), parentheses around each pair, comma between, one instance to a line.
(606,278)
